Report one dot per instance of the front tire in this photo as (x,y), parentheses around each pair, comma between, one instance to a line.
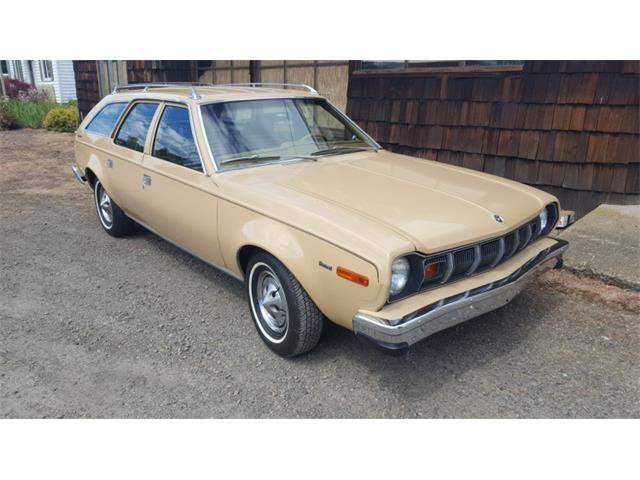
(286,318)
(114,221)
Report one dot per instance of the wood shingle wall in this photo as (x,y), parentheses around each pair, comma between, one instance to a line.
(87,86)
(568,127)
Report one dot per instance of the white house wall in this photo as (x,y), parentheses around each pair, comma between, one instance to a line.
(63,83)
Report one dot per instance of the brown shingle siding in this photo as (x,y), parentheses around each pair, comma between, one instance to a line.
(578,88)
(570,147)
(571,125)
(539,117)
(625,90)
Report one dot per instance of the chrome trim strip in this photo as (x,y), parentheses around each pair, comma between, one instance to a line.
(455,309)
(449,270)
(353,124)
(206,138)
(194,94)
(516,243)
(477,256)
(78,174)
(269,85)
(500,253)
(186,250)
(528,235)
(195,140)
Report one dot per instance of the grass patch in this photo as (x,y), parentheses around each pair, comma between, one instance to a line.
(31,114)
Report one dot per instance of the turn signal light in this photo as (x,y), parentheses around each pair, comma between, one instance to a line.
(431,270)
(353,276)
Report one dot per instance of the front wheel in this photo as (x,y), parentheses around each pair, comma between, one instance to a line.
(114,221)
(286,318)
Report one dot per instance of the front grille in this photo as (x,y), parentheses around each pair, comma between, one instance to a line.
(463,260)
(430,271)
(485,255)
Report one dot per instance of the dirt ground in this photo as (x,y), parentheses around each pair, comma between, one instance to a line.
(92,326)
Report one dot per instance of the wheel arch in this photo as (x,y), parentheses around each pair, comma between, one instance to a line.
(91,177)
(311,260)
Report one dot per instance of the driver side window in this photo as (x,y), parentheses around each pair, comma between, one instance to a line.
(174,140)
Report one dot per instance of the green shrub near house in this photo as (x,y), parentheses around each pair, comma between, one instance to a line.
(62,119)
(32,114)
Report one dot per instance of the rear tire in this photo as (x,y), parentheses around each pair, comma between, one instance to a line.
(286,318)
(114,221)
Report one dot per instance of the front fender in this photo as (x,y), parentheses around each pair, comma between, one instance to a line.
(311,260)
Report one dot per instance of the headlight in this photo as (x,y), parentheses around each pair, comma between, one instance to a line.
(544,217)
(399,275)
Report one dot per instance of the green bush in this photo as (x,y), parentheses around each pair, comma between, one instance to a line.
(28,114)
(8,120)
(61,119)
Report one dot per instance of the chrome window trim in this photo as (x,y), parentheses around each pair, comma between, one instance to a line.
(185,105)
(91,119)
(126,113)
(334,109)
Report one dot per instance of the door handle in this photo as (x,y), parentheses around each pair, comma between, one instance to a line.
(146,181)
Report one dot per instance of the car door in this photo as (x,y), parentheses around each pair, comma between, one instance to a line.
(124,161)
(183,206)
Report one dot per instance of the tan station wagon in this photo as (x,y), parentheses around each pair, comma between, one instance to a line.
(275,186)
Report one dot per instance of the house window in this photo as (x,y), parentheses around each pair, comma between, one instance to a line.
(17,68)
(437,65)
(46,70)
(110,74)
(4,67)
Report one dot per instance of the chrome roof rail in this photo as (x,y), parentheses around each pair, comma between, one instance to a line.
(271,85)
(146,86)
(194,93)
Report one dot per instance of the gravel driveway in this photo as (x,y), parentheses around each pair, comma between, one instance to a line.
(92,326)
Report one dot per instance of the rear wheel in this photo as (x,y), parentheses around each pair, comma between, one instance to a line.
(114,221)
(285,316)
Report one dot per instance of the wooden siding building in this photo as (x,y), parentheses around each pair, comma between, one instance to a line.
(568,127)
(96,78)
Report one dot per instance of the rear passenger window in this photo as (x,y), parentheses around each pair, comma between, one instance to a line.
(174,139)
(133,132)
(106,119)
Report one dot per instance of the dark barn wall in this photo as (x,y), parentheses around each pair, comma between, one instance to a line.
(138,71)
(87,87)
(568,127)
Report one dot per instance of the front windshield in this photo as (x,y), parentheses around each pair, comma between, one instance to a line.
(254,131)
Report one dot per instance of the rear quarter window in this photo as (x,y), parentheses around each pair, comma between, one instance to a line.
(106,119)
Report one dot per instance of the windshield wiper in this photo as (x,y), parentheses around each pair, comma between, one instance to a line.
(263,157)
(338,149)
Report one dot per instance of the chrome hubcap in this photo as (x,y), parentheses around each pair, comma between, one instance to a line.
(105,208)
(272,302)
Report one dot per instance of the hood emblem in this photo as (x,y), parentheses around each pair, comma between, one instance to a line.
(498,218)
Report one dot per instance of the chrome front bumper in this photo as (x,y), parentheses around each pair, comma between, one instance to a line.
(78,174)
(456,309)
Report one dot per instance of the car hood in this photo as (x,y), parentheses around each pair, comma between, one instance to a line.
(433,205)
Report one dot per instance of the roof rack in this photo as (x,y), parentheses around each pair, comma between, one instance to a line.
(194,93)
(299,86)
(146,86)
